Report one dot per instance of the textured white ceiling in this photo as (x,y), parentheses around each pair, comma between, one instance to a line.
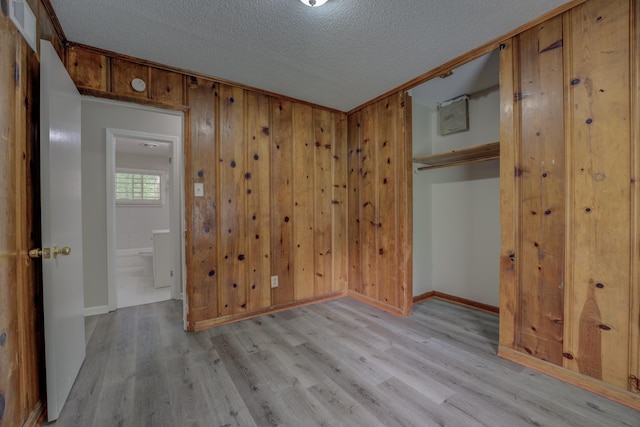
(472,77)
(136,146)
(340,55)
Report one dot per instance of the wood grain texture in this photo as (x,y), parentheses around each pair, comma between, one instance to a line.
(599,305)
(388,190)
(334,363)
(405,216)
(123,72)
(339,201)
(11,387)
(31,322)
(379,166)
(166,87)
(509,147)
(201,212)
(569,148)
(258,201)
(232,278)
(88,69)
(634,343)
(323,197)
(354,209)
(49,28)
(541,176)
(282,201)
(21,312)
(187,73)
(464,156)
(369,214)
(303,201)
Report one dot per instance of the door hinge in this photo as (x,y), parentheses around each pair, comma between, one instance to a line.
(169,160)
(635,383)
(171,273)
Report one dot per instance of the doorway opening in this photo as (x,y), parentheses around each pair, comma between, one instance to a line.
(140,181)
(456,224)
(106,125)
(144,217)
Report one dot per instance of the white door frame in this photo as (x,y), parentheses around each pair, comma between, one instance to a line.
(176,215)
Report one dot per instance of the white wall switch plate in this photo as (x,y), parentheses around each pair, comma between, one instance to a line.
(198,189)
(274,281)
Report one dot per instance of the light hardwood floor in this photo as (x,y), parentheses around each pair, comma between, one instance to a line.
(337,363)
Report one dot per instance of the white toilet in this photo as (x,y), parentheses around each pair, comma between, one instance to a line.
(157,260)
(162,259)
(146,255)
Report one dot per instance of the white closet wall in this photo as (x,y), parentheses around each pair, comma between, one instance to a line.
(457,209)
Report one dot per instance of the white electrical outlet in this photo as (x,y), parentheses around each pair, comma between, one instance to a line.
(274,281)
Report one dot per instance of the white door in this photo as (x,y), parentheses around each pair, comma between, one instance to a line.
(61,227)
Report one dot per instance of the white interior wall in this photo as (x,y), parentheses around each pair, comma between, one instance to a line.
(134,224)
(464,209)
(97,116)
(422,236)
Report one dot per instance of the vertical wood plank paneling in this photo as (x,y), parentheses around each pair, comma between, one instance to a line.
(379,169)
(47,30)
(339,204)
(541,173)
(354,211)
(28,226)
(281,241)
(405,196)
(21,311)
(282,200)
(258,201)
(388,192)
(634,319)
(202,266)
(369,216)
(232,291)
(166,87)
(11,389)
(303,202)
(599,306)
(570,183)
(324,133)
(509,197)
(123,72)
(88,69)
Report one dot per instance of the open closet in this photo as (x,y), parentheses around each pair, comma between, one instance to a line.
(456,184)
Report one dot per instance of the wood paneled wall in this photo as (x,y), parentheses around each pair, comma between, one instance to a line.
(21,322)
(570,161)
(105,75)
(275,187)
(380,204)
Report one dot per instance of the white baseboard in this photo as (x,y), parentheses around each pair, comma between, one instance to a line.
(92,311)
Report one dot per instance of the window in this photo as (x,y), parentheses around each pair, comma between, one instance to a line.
(139,187)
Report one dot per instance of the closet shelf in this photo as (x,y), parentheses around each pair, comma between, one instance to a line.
(463,156)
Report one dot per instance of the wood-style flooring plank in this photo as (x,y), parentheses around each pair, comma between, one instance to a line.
(336,363)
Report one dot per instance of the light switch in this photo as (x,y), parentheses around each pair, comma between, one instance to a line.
(198,189)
